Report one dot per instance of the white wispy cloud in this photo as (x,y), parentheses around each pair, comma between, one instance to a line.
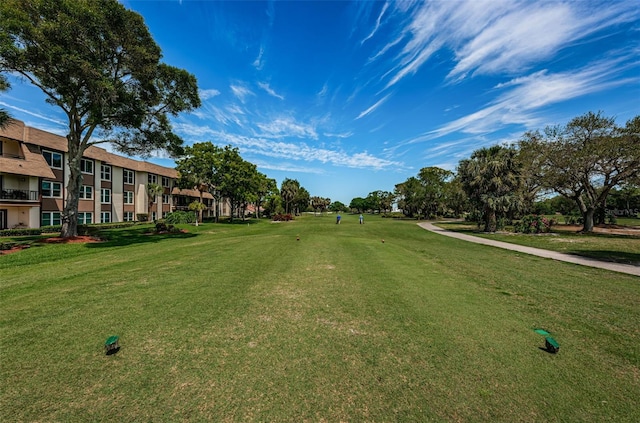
(288,167)
(524,97)
(375,29)
(258,63)
(286,126)
(347,134)
(498,36)
(226,115)
(323,92)
(34,114)
(372,108)
(265,86)
(266,147)
(241,91)
(207,94)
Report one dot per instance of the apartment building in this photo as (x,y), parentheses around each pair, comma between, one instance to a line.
(34,170)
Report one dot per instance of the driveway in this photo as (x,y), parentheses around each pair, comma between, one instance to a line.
(616,267)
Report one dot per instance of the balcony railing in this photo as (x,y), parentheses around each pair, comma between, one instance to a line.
(18,194)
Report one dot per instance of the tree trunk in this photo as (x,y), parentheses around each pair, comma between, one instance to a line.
(491,221)
(70,211)
(588,220)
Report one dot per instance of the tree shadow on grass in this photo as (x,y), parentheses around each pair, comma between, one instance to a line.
(609,256)
(117,238)
(237,221)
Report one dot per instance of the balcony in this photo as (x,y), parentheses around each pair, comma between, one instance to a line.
(18,195)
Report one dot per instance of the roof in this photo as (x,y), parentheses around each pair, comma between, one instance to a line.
(191,193)
(33,164)
(17,130)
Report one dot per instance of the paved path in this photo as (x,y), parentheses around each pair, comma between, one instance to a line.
(616,267)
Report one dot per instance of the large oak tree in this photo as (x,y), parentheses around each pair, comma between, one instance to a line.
(222,172)
(585,159)
(98,63)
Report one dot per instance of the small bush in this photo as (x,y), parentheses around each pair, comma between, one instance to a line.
(282,217)
(94,228)
(142,217)
(573,219)
(21,232)
(180,217)
(163,228)
(51,229)
(6,245)
(533,224)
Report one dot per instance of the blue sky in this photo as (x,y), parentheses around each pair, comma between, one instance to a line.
(352,97)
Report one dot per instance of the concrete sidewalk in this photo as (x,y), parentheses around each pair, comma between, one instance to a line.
(616,267)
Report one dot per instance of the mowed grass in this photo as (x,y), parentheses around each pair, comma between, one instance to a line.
(244,323)
(606,247)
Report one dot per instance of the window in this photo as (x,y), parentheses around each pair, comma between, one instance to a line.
(51,189)
(166,182)
(105,196)
(128,176)
(50,219)
(85,218)
(128,197)
(128,216)
(105,172)
(153,216)
(152,179)
(86,166)
(165,214)
(105,217)
(166,199)
(53,159)
(86,192)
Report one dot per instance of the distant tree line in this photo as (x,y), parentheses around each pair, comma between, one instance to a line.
(579,169)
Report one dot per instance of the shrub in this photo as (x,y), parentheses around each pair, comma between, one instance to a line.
(282,217)
(21,232)
(163,228)
(7,245)
(180,217)
(142,217)
(51,229)
(534,224)
(94,228)
(573,219)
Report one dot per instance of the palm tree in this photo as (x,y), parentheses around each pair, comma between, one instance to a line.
(197,206)
(491,179)
(288,191)
(153,191)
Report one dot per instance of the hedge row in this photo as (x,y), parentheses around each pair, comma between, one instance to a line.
(82,229)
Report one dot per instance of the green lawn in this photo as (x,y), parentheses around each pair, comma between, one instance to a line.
(615,248)
(244,323)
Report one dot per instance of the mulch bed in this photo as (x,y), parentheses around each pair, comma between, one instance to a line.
(71,240)
(55,240)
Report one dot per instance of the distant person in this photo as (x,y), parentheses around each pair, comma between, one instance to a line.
(338,217)
(361,220)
